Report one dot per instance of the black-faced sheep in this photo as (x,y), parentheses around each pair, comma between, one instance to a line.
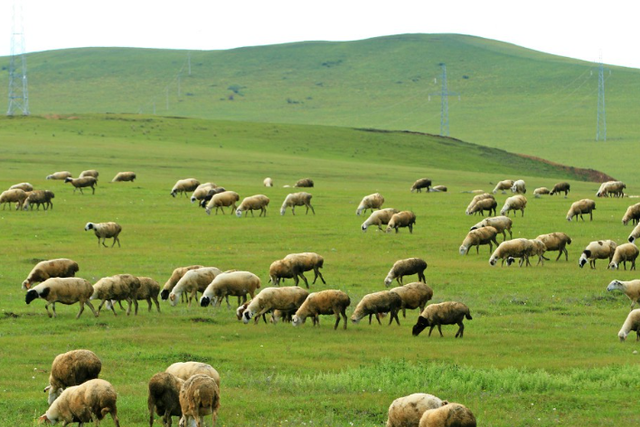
(60,175)
(516,248)
(324,302)
(632,214)
(635,233)
(500,223)
(203,191)
(39,197)
(176,275)
(268,182)
(251,203)
(379,218)
(556,242)
(192,282)
(184,186)
(16,196)
(445,313)
(104,231)
(584,206)
(514,203)
(561,187)
(24,186)
(540,191)
(376,304)
(519,187)
(304,182)
(481,236)
(406,411)
(287,299)
(72,368)
(632,323)
(84,182)
(222,200)
(631,289)
(164,397)
(124,177)
(199,396)
(406,267)
(623,253)
(503,186)
(448,415)
(599,249)
(616,188)
(402,219)
(420,184)
(414,295)
(371,202)
(148,290)
(185,370)
(232,283)
(65,290)
(307,261)
(297,199)
(60,267)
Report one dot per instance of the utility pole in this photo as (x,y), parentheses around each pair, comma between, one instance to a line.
(18,91)
(601,124)
(444,102)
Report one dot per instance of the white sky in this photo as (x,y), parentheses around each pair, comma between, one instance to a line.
(585,30)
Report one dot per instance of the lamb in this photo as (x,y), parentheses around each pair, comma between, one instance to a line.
(503,185)
(192,282)
(631,289)
(234,283)
(220,200)
(16,196)
(39,197)
(481,236)
(379,218)
(89,401)
(202,191)
(514,203)
(406,267)
(406,411)
(611,187)
(24,186)
(324,302)
(445,313)
(287,299)
(120,287)
(634,234)
(560,187)
(632,214)
(297,199)
(631,324)
(476,199)
(500,223)
(71,368)
(420,184)
(486,204)
(65,290)
(124,177)
(268,182)
(414,295)
(600,249)
(185,370)
(584,206)
(285,269)
(402,219)
(184,186)
(60,175)
(448,415)
(60,267)
(104,231)
(199,396)
(371,202)
(307,261)
(148,290)
(84,182)
(176,275)
(304,182)
(91,172)
(516,248)
(251,203)
(540,191)
(519,187)
(623,253)
(164,397)
(378,303)
(556,242)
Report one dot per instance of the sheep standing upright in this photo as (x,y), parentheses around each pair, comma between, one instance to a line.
(419,184)
(124,177)
(406,411)
(623,253)
(481,236)
(514,203)
(183,186)
(297,199)
(104,231)
(631,289)
(72,368)
(560,188)
(307,261)
(164,397)
(632,214)
(599,249)
(231,283)
(471,208)
(632,323)
(16,196)
(256,202)
(516,248)
(503,186)
(402,219)
(199,396)
(325,302)
(149,290)
(60,267)
(39,197)
(445,313)
(487,204)
(414,295)
(222,200)
(406,267)
(192,282)
(519,187)
(65,290)
(203,191)
(84,182)
(500,223)
(376,304)
(287,299)
(556,242)
(615,188)
(371,202)
(176,275)
(120,287)
(584,206)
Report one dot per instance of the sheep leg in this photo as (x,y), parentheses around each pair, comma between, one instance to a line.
(93,190)
(135,303)
(93,310)
(410,228)
(344,317)
(440,330)
(421,277)
(460,330)
(305,280)
(431,329)
(155,300)
(394,315)
(560,254)
(103,242)
(293,210)
(337,320)
(116,239)
(316,270)
(312,210)
(378,318)
(128,306)
(46,306)
(150,305)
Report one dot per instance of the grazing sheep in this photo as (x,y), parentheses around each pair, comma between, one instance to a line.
(623,253)
(514,203)
(519,187)
(39,197)
(251,203)
(402,219)
(556,242)
(120,287)
(378,303)
(503,186)
(207,198)
(268,182)
(89,401)
(448,415)
(584,206)
(611,187)
(635,233)
(287,299)
(60,267)
(476,199)
(185,370)
(60,175)
(414,295)
(535,248)
(379,218)
(203,191)
(71,368)
(176,275)
(164,397)
(439,189)
(184,186)
(124,177)
(561,187)
(324,302)
(104,231)
(232,283)
(500,223)
(65,290)
(487,204)
(91,172)
(600,249)
(297,199)
(420,184)
(516,248)
(16,196)
(304,182)
(406,267)
(632,323)
(481,236)
(371,202)
(632,214)
(631,289)
(24,186)
(84,182)
(192,282)
(199,396)
(540,191)
(445,313)
(406,411)
(307,261)
(285,269)
(148,290)
(223,200)
(241,309)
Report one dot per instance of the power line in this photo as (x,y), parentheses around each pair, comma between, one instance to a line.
(601,123)
(18,90)
(444,102)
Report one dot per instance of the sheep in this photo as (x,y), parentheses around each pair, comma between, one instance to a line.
(378,303)
(24,186)
(176,275)
(632,214)
(185,370)
(420,184)
(242,308)
(402,219)
(116,288)
(623,253)
(285,269)
(500,223)
(192,282)
(560,187)
(414,295)
(379,218)
(89,401)
(307,261)
(371,202)
(632,323)
(60,175)
(503,185)
(515,248)
(60,267)
(207,197)
(556,242)
(535,247)
(124,177)
(16,196)
(71,368)
(84,182)
(406,267)
(297,199)
(104,231)
(234,283)
(220,200)
(65,290)
(519,187)
(324,302)
(38,197)
(584,206)
(635,233)
(287,299)
(439,189)
(202,191)
(304,182)
(199,396)
(600,249)
(445,313)
(406,411)
(488,204)
(164,397)
(268,182)
(91,172)
(481,236)
(631,289)
(514,203)
(540,191)
(251,203)
(184,186)
(611,187)
(448,415)
(476,199)
(148,290)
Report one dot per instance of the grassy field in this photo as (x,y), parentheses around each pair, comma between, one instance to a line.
(542,348)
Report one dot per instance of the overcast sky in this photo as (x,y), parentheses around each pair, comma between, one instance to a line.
(577,29)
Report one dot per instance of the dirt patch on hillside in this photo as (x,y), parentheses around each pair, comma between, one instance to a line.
(591,175)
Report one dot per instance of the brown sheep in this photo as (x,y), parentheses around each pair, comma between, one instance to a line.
(584,206)
(623,253)
(183,186)
(60,267)
(632,214)
(307,261)
(406,267)
(481,236)
(561,187)
(448,415)
(500,223)
(414,295)
(420,184)
(38,197)
(556,242)
(164,397)
(445,313)
(124,177)
(176,275)
(148,290)
(65,290)
(376,304)
(72,368)
(287,299)
(324,302)
(199,396)
(84,182)
(402,219)
(251,203)
(304,182)
(406,411)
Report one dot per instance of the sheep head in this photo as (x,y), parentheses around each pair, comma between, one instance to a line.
(420,326)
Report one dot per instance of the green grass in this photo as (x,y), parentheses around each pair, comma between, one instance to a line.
(541,349)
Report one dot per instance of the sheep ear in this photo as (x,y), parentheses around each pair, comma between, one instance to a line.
(43,419)
(47,388)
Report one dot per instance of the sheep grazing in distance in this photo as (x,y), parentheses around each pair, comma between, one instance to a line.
(540,191)
(60,267)
(84,182)
(16,196)
(297,199)
(600,249)
(24,186)
(203,191)
(124,177)
(634,234)
(192,282)
(514,203)
(631,289)
(519,187)
(251,203)
(72,368)
(503,186)
(325,302)
(488,204)
(445,313)
(183,186)
(420,184)
(584,206)
(199,396)
(616,188)
(477,198)
(89,401)
(38,197)
(287,299)
(307,261)
(185,370)
(516,248)
(561,187)
(148,290)
(176,275)
(406,267)
(304,182)
(91,172)
(222,200)
(120,287)
(60,175)
(632,214)
(439,189)
(501,223)
(406,411)
(632,323)
(448,415)
(556,242)
(623,253)
(268,182)
(371,202)
(379,218)
(232,283)
(164,397)
(104,231)
(402,219)
(481,236)
(414,295)
(376,304)
(65,290)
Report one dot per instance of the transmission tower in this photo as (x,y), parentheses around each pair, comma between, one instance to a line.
(18,93)
(601,125)
(444,102)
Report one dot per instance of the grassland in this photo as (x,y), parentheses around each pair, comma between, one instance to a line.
(542,348)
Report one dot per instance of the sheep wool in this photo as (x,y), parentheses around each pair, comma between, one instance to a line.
(445,313)
(631,289)
(256,202)
(176,275)
(481,236)
(104,231)
(581,207)
(16,196)
(72,368)
(414,295)
(199,396)
(164,397)
(287,299)
(406,267)
(60,267)
(192,282)
(297,199)
(600,249)
(402,219)
(420,184)
(185,370)
(406,411)
(514,203)
(83,182)
(556,242)
(65,290)
(561,187)
(623,253)
(124,177)
(448,415)
(307,261)
(149,290)
(222,200)
(376,304)
(501,223)
(379,218)
(232,283)
(325,302)
(371,202)
(503,186)
(60,175)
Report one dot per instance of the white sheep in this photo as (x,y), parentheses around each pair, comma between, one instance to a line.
(104,231)
(445,313)
(65,290)
(481,236)
(16,196)
(631,289)
(232,283)
(176,275)
(268,182)
(514,203)
(414,295)
(632,214)
(519,187)
(120,287)
(222,200)
(24,186)
(420,184)
(516,248)
(60,175)
(124,177)
(632,323)
(183,186)
(556,242)
(72,368)
(561,187)
(307,261)
(406,411)
(288,299)
(376,304)
(192,282)
(379,218)
(203,191)
(199,396)
(540,191)
(84,182)
(584,206)
(623,253)
(599,249)
(164,397)
(611,187)
(324,302)
(304,182)
(450,414)
(500,223)
(185,370)
(476,199)
(406,267)
(402,219)
(371,202)
(297,199)
(503,186)
(251,203)
(60,267)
